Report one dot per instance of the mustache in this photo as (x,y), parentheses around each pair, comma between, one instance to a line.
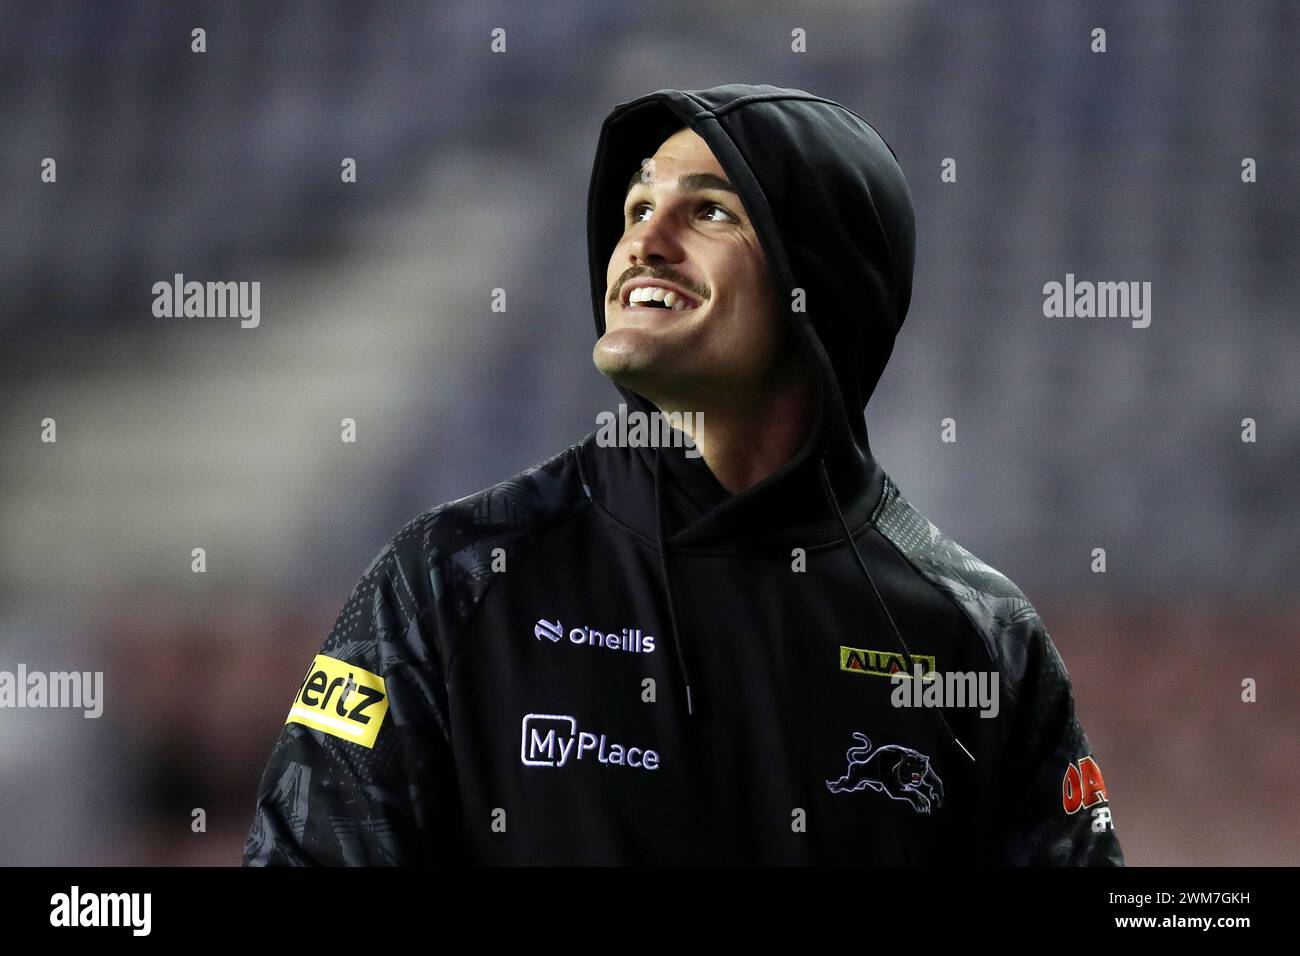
(657,272)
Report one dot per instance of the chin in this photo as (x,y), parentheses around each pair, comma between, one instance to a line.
(623,369)
(625,365)
(623,349)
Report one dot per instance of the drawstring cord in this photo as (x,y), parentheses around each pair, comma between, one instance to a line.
(668,586)
(661,527)
(862,566)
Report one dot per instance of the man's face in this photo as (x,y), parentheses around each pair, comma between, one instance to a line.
(685,230)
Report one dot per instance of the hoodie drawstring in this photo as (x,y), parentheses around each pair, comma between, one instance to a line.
(682,671)
(668,585)
(898,637)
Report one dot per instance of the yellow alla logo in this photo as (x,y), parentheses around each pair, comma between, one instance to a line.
(860,660)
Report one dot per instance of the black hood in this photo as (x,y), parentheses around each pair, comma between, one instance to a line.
(832,209)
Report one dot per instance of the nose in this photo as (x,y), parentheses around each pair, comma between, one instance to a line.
(656,241)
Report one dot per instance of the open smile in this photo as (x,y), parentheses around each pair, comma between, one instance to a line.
(654,294)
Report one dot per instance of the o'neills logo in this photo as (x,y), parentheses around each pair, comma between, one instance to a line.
(630,639)
(655,430)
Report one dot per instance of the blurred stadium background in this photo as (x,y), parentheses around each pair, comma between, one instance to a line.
(472,175)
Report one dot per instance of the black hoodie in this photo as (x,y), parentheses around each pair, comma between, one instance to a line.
(611,659)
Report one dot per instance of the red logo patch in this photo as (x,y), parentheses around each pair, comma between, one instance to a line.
(1082,785)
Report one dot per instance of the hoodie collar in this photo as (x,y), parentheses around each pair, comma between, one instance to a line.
(704,516)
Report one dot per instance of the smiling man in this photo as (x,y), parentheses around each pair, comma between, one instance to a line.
(729,359)
(634,655)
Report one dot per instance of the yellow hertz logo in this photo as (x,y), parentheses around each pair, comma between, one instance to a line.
(341,699)
(859,660)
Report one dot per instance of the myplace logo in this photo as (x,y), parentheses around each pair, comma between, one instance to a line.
(554,740)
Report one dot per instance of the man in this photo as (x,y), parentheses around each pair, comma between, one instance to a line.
(648,653)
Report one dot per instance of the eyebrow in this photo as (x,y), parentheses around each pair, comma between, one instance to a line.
(689,183)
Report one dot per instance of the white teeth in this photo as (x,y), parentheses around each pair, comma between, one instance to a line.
(673,300)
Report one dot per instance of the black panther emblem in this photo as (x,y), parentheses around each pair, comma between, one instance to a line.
(900,772)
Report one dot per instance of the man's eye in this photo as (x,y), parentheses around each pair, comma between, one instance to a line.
(634,212)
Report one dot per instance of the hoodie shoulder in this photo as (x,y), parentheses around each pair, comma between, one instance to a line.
(327,798)
(995,606)
(448,556)
(1044,740)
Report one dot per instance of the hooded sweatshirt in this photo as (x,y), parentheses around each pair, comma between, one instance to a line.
(610,659)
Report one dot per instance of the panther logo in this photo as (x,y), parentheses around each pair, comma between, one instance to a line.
(900,772)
